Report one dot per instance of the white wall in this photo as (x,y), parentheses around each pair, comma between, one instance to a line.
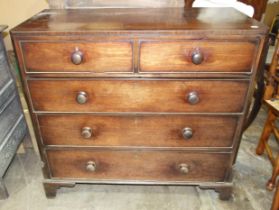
(13,12)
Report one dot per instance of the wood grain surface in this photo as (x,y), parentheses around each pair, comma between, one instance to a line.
(142,21)
(137,75)
(97,56)
(138,131)
(138,165)
(138,95)
(218,56)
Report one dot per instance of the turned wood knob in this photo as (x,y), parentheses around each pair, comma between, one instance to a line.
(77,57)
(187,133)
(86,132)
(197,57)
(91,166)
(193,97)
(183,168)
(81,97)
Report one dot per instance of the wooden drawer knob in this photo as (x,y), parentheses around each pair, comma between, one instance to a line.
(91,166)
(86,132)
(183,168)
(187,133)
(197,57)
(81,97)
(77,57)
(193,97)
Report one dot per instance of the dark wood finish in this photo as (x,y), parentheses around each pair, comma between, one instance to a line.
(225,193)
(151,20)
(188,3)
(138,95)
(224,190)
(130,111)
(52,187)
(146,131)
(97,56)
(138,165)
(235,56)
(259,7)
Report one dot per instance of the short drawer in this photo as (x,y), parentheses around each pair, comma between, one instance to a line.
(139,131)
(62,56)
(138,165)
(138,95)
(196,56)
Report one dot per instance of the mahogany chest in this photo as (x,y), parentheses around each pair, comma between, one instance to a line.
(139,96)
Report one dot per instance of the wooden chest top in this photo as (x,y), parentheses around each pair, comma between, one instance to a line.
(153,20)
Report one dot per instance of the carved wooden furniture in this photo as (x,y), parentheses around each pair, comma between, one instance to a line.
(12,122)
(270,128)
(272,102)
(272,79)
(259,7)
(139,96)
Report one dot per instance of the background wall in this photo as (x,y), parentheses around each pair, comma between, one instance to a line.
(271,11)
(13,12)
(115,3)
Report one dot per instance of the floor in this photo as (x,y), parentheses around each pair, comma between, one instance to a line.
(24,183)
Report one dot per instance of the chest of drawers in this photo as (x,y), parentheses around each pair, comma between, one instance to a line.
(139,96)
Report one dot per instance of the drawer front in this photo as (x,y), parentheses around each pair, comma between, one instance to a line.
(138,165)
(10,143)
(200,56)
(5,75)
(138,95)
(95,57)
(140,131)
(7,86)
(9,114)
(7,92)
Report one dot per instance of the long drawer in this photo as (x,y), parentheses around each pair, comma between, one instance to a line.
(196,56)
(73,56)
(138,95)
(138,165)
(139,131)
